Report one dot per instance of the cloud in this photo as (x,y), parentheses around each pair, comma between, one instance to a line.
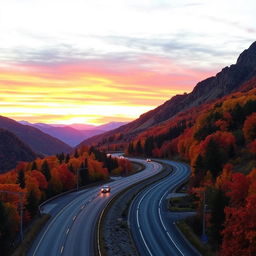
(92,87)
(87,56)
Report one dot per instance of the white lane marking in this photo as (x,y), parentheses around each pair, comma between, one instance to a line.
(61,250)
(161,219)
(145,243)
(67,231)
(159,213)
(74,218)
(137,219)
(51,223)
(160,216)
(136,177)
(168,232)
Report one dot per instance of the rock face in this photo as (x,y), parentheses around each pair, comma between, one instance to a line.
(39,142)
(13,150)
(226,81)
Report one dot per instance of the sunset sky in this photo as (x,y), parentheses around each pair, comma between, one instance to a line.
(96,61)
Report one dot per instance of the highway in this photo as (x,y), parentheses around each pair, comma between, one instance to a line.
(153,230)
(71,230)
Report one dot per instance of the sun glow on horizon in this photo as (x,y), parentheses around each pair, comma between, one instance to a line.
(80,94)
(90,62)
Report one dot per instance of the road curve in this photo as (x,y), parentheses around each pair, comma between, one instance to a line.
(71,230)
(153,230)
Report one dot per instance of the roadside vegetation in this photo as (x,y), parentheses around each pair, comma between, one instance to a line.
(182,204)
(43,178)
(219,141)
(31,234)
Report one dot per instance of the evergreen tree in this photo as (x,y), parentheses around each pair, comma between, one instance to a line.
(199,169)
(130,149)
(139,149)
(111,163)
(149,146)
(21,179)
(84,173)
(46,170)
(34,166)
(218,203)
(61,157)
(238,116)
(71,168)
(213,158)
(32,203)
(76,155)
(5,232)
(249,107)
(67,158)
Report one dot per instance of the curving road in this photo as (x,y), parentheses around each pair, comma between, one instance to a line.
(152,227)
(71,230)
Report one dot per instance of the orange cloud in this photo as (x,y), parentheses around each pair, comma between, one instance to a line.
(93,91)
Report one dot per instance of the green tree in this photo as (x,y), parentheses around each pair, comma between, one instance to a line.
(46,170)
(5,232)
(76,155)
(21,179)
(213,158)
(67,158)
(238,116)
(32,203)
(139,149)
(218,203)
(34,166)
(199,170)
(149,146)
(61,157)
(130,148)
(84,173)
(71,168)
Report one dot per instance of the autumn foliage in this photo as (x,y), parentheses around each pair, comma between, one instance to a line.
(219,141)
(43,178)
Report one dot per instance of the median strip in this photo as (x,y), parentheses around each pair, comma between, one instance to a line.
(113,235)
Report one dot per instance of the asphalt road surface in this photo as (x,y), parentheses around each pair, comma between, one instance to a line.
(153,230)
(72,227)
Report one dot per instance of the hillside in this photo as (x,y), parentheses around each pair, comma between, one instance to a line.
(12,150)
(46,177)
(218,139)
(71,135)
(226,81)
(39,142)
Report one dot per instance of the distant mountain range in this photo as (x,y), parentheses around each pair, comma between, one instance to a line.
(226,81)
(40,142)
(75,133)
(23,141)
(13,150)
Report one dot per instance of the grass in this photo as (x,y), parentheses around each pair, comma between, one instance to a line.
(181,209)
(194,240)
(30,235)
(181,204)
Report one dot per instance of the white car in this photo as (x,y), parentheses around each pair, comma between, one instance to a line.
(105,189)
